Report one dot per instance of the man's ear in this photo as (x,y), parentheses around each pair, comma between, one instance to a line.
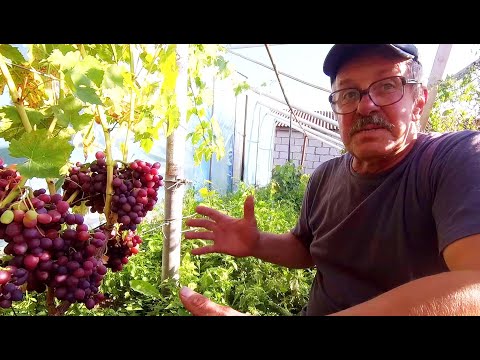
(420,103)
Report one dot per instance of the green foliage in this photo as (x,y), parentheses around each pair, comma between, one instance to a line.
(457,105)
(288,184)
(248,284)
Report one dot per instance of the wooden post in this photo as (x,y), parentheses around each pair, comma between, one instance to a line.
(174,175)
(436,74)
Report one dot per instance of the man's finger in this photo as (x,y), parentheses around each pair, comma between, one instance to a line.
(200,305)
(211,213)
(249,209)
(204,235)
(203,250)
(205,223)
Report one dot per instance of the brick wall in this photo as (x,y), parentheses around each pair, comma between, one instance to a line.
(316,151)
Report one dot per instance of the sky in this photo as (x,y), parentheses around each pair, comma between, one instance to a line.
(305,61)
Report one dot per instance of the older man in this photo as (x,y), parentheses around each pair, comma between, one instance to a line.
(393,225)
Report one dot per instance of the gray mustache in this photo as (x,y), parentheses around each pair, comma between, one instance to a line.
(374,119)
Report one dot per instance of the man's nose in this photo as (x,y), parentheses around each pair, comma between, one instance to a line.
(366,105)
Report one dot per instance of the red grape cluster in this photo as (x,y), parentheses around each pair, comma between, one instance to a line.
(90,180)
(136,188)
(49,246)
(120,247)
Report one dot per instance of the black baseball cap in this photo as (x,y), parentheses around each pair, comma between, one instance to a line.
(340,53)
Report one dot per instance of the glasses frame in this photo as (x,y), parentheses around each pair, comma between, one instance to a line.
(403,79)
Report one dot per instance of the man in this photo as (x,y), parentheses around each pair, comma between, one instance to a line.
(393,225)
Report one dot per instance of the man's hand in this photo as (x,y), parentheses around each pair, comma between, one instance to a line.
(232,236)
(200,305)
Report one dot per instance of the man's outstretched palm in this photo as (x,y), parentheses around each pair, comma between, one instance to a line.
(237,237)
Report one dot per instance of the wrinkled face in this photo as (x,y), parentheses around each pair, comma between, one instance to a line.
(372,131)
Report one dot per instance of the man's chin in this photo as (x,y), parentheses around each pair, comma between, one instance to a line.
(367,151)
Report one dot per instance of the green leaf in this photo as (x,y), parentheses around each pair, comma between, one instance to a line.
(145,288)
(45,156)
(146,144)
(11,126)
(70,103)
(88,95)
(65,62)
(169,69)
(113,77)
(95,75)
(78,121)
(12,53)
(67,113)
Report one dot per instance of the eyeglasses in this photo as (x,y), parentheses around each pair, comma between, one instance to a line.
(383,92)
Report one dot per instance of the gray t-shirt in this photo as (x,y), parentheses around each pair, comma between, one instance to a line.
(369,234)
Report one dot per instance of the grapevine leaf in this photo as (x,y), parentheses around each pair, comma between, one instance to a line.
(12,53)
(88,95)
(113,77)
(65,62)
(59,183)
(67,113)
(144,288)
(44,156)
(77,121)
(169,69)
(70,103)
(42,51)
(241,88)
(83,79)
(81,208)
(146,144)
(87,71)
(221,63)
(11,126)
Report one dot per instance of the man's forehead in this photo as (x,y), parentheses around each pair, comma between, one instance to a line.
(356,73)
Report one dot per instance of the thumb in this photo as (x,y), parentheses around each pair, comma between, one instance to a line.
(249,209)
(200,305)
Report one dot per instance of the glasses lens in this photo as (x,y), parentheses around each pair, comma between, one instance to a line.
(386,91)
(344,101)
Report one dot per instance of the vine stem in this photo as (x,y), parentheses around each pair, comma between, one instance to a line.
(16,99)
(109,162)
(13,193)
(51,186)
(131,116)
(73,196)
(108,156)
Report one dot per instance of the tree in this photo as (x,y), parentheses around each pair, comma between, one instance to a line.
(457,105)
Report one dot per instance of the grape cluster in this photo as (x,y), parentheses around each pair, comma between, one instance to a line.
(50,246)
(136,188)
(90,180)
(9,178)
(120,247)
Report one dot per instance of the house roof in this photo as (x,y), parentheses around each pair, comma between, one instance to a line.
(467,68)
(308,117)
